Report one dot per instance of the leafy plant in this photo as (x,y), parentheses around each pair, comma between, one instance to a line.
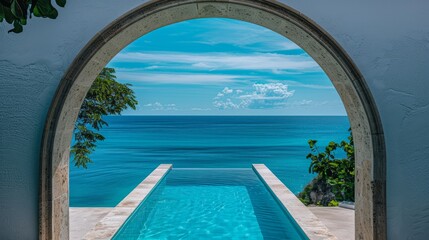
(16,12)
(105,97)
(333,175)
(333,203)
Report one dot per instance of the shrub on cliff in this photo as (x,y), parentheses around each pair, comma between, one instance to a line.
(335,177)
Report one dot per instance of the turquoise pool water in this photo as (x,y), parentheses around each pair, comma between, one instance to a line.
(210,204)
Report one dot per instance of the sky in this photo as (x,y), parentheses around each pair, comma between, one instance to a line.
(223,67)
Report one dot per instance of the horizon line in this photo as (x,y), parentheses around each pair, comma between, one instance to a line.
(212,115)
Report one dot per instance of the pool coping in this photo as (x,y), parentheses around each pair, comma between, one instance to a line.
(306,220)
(107,227)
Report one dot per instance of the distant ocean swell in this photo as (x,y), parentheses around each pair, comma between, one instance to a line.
(135,145)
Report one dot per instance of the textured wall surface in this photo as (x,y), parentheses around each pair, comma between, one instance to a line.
(390,45)
(388,41)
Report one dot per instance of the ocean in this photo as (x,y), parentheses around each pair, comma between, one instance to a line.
(135,145)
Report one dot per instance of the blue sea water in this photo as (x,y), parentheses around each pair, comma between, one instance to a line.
(136,145)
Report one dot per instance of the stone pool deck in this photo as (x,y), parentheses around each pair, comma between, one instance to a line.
(83,219)
(317,222)
(340,221)
(307,221)
(113,220)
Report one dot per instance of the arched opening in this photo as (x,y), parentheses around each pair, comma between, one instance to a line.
(364,120)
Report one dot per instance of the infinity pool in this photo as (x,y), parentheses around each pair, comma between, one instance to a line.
(210,204)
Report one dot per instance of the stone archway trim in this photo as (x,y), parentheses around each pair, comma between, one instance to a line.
(351,86)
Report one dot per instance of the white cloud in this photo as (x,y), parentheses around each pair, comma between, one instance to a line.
(151,67)
(157,106)
(272,62)
(270,95)
(304,85)
(201,109)
(227,90)
(287,45)
(203,65)
(178,78)
(226,104)
(305,103)
(244,35)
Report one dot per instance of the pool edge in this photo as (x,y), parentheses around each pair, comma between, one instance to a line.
(107,227)
(304,218)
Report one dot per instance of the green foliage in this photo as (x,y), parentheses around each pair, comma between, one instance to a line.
(16,12)
(304,196)
(105,97)
(334,175)
(333,203)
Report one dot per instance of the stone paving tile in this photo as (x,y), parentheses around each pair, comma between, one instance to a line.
(340,221)
(107,226)
(308,222)
(83,219)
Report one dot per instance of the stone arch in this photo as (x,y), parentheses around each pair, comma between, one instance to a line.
(368,135)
